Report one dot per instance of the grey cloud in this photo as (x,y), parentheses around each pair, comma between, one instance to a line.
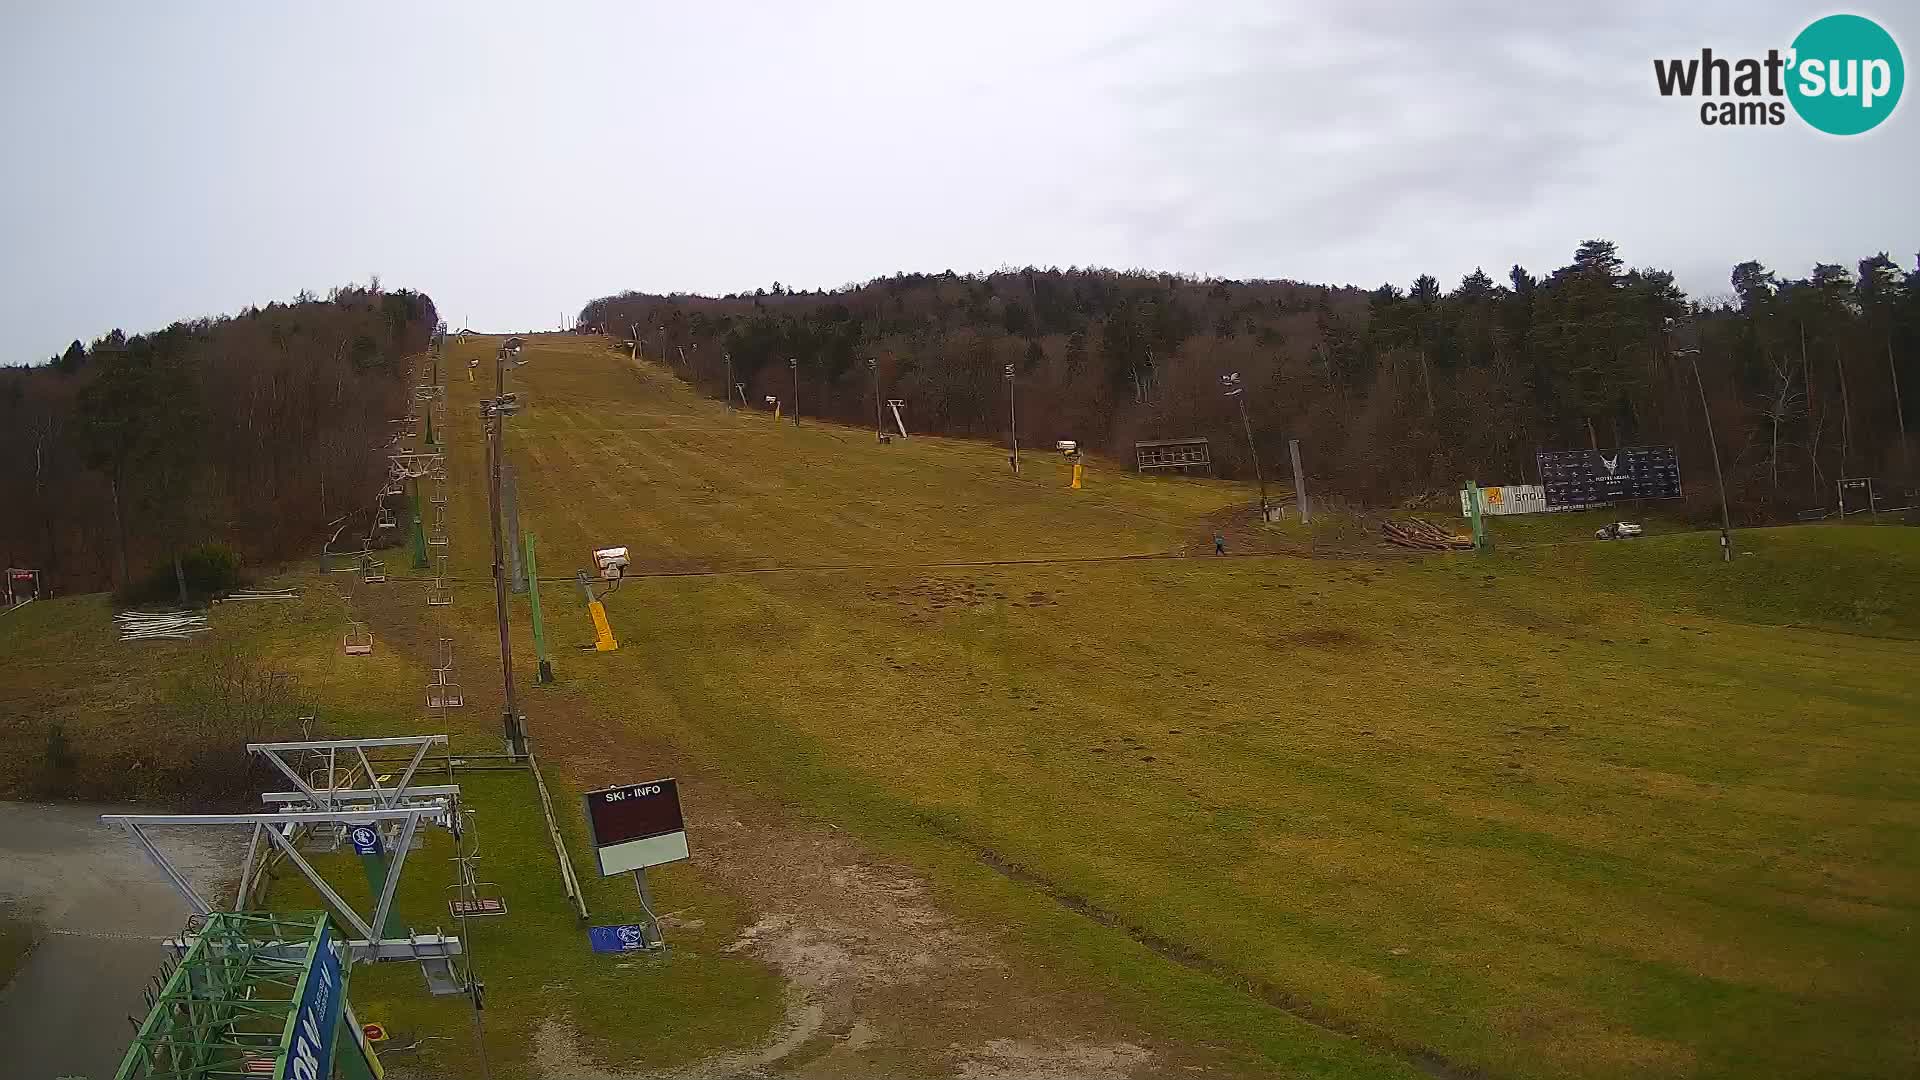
(515,161)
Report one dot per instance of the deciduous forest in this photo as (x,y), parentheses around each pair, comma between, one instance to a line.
(1396,393)
(252,431)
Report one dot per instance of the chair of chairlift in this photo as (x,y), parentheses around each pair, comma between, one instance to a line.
(386,520)
(444,695)
(359,640)
(485,897)
(443,656)
(373,571)
(439,595)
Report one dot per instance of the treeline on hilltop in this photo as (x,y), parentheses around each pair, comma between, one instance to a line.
(1394,393)
(251,431)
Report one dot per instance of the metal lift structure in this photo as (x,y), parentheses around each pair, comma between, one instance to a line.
(254,994)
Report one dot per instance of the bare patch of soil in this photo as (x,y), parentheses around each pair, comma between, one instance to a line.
(880,981)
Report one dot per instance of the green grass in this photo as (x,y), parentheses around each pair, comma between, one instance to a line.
(1571,809)
(1852,578)
(535,961)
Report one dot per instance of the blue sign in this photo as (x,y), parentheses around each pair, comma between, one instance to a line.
(627,937)
(366,839)
(310,1054)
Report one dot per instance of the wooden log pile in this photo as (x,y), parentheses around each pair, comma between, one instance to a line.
(1424,536)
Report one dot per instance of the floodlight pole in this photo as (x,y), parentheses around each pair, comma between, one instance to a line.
(794,363)
(873,365)
(1238,392)
(1726,522)
(1692,353)
(1246,425)
(726,388)
(496,422)
(1013,425)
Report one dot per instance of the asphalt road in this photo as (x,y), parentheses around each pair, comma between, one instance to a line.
(99,910)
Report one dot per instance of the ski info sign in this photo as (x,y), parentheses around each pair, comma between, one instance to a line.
(636,826)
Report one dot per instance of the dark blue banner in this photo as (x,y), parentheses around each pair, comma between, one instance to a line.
(627,937)
(310,1054)
(365,838)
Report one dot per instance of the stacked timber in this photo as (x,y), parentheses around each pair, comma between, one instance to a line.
(1424,535)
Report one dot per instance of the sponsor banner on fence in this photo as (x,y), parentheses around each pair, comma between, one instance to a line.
(1508,499)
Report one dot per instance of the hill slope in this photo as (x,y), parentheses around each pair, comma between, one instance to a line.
(1008,778)
(1507,816)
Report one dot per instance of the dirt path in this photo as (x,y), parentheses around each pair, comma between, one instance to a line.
(881,981)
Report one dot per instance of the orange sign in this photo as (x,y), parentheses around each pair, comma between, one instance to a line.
(374,1033)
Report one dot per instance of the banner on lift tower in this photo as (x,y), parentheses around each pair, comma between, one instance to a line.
(636,826)
(310,1051)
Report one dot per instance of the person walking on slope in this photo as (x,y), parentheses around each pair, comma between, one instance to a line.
(1219,544)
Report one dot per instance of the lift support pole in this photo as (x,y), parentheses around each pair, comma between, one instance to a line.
(545,677)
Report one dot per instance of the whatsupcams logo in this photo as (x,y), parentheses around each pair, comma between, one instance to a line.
(1843,75)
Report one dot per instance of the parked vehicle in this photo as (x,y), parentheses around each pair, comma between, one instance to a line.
(1619,530)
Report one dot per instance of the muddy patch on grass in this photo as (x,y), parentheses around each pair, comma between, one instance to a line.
(880,980)
(1021,1059)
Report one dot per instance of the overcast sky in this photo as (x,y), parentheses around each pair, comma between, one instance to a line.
(171,160)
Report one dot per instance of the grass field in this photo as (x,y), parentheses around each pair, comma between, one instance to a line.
(1570,809)
(535,962)
(1567,809)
